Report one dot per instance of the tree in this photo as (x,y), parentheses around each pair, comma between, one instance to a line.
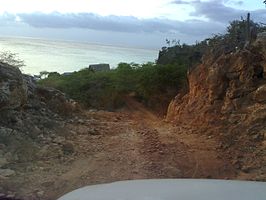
(53,74)
(264,1)
(11,59)
(237,33)
(168,42)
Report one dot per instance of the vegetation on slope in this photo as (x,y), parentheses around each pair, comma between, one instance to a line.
(234,39)
(150,83)
(154,84)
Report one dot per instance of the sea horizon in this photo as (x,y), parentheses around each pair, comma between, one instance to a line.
(41,54)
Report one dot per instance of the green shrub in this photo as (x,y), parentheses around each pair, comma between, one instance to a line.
(108,89)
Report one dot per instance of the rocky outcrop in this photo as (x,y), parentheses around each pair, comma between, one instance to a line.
(223,86)
(19,91)
(29,117)
(56,101)
(13,89)
(227,99)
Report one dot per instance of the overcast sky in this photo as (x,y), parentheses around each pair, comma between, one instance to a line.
(139,23)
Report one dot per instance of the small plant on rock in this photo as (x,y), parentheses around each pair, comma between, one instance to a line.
(11,59)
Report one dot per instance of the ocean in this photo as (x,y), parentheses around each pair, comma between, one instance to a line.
(65,56)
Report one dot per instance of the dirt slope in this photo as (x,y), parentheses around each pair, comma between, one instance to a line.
(131,144)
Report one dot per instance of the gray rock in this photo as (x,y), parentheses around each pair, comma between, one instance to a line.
(8,156)
(7,172)
(10,196)
(3,161)
(31,84)
(59,140)
(5,131)
(81,121)
(40,194)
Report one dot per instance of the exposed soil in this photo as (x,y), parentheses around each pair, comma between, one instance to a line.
(130,144)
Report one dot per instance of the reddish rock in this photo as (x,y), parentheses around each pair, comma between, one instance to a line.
(227,97)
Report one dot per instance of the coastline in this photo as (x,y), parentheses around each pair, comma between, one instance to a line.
(65,56)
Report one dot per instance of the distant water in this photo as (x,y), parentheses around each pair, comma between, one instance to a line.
(64,56)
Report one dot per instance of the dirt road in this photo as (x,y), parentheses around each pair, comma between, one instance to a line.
(131,144)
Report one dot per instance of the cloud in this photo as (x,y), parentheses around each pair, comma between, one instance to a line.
(7,19)
(97,22)
(218,11)
(180,2)
(126,24)
(200,28)
(208,17)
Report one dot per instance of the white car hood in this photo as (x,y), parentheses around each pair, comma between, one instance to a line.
(172,189)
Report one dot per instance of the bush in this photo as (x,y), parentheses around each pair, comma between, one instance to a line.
(11,59)
(108,89)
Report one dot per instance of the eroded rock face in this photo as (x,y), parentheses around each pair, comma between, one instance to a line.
(232,83)
(227,99)
(13,90)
